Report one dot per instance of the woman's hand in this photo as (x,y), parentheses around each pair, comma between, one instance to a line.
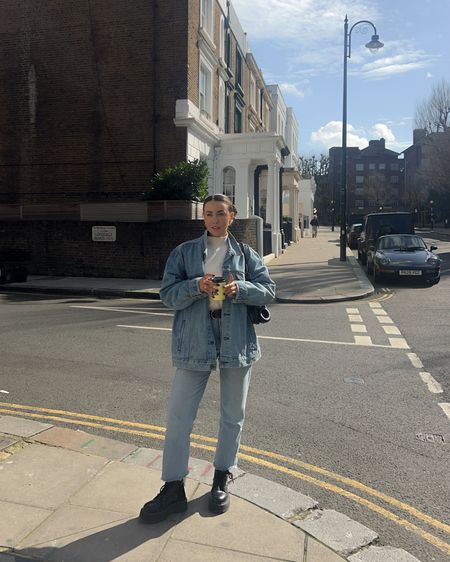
(230,289)
(205,284)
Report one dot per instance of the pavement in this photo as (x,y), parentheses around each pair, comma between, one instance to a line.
(71,496)
(308,272)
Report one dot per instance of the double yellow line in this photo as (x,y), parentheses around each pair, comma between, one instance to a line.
(259,457)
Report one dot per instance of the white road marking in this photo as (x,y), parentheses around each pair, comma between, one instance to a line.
(365,341)
(352,310)
(433,385)
(4,392)
(379,312)
(416,362)
(374,305)
(399,343)
(132,310)
(392,330)
(355,318)
(144,328)
(358,328)
(385,320)
(446,407)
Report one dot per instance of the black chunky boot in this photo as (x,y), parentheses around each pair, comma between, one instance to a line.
(219,499)
(171,499)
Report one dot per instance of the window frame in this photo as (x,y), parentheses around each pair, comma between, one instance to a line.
(206,110)
(207,17)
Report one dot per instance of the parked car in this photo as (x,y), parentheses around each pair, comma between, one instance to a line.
(405,256)
(13,266)
(380,224)
(353,234)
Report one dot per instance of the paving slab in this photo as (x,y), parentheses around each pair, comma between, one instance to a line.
(6,442)
(182,550)
(244,528)
(124,541)
(21,427)
(317,552)
(78,440)
(45,477)
(337,531)
(382,554)
(17,521)
(277,499)
(122,487)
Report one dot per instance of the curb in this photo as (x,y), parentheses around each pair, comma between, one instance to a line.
(117,293)
(337,531)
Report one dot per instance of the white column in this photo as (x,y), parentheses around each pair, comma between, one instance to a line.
(242,190)
(273,200)
(217,177)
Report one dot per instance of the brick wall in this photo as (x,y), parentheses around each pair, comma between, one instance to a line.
(140,251)
(87,97)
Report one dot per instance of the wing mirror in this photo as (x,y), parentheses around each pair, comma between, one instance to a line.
(432,248)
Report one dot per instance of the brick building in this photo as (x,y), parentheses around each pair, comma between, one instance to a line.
(375,179)
(96,96)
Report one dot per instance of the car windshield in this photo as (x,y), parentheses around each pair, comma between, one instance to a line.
(401,243)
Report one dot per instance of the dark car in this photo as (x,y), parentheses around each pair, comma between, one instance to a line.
(380,224)
(353,234)
(405,257)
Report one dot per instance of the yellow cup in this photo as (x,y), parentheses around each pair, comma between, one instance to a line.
(218,293)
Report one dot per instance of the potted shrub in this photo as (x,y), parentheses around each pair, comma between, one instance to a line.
(177,191)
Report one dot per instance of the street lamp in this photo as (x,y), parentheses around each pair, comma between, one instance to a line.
(373,45)
(431,214)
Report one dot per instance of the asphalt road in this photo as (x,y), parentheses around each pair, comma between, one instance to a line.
(337,417)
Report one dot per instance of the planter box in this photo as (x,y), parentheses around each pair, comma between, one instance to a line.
(174,210)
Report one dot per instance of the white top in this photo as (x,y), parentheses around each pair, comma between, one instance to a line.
(216,249)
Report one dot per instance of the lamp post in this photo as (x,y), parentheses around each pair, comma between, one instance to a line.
(431,215)
(373,45)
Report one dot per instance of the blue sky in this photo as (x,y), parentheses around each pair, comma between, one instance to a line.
(299,44)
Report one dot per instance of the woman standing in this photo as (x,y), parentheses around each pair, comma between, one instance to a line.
(207,331)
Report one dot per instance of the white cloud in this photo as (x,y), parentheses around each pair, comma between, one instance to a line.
(309,36)
(331,135)
(380,130)
(291,89)
(306,21)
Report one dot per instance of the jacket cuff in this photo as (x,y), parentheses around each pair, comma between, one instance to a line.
(241,295)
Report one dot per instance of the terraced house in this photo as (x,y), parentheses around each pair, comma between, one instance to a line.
(96,96)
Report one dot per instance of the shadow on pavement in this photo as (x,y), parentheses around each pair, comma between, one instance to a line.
(108,544)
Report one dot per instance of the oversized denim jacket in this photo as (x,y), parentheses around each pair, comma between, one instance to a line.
(193,345)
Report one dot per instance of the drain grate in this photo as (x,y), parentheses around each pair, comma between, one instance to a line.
(431,438)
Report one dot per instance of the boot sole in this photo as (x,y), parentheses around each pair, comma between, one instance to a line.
(218,509)
(179,507)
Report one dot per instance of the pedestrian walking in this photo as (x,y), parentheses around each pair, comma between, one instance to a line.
(314,226)
(209,281)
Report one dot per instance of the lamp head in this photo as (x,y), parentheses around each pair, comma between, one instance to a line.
(374,44)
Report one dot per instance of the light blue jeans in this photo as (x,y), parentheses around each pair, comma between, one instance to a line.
(187,391)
